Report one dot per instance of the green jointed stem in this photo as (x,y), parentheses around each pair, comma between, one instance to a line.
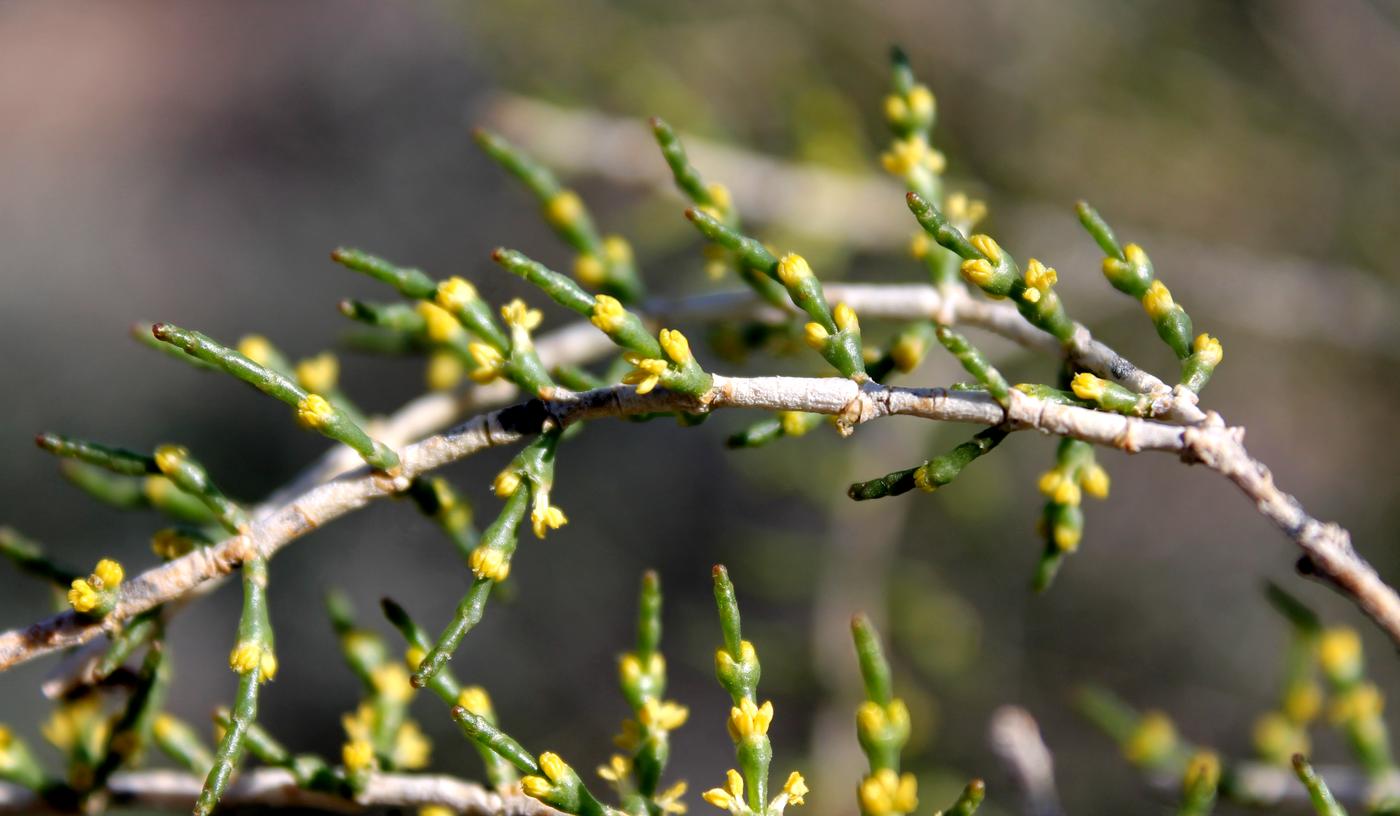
(131,732)
(1099,230)
(134,492)
(181,743)
(117,460)
(189,476)
(976,364)
(933,473)
(252,655)
(142,333)
(28,556)
(874,669)
(479,730)
(649,616)
(399,317)
(1322,799)
(316,413)
(560,288)
(411,283)
(137,632)
(468,614)
(687,178)
(970,799)
(738,671)
(728,606)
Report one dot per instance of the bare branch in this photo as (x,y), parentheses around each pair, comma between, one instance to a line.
(1015,739)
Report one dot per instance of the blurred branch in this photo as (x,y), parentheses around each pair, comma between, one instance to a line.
(1015,739)
(275,787)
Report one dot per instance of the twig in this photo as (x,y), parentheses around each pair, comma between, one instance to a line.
(1015,739)
(1211,443)
(274,787)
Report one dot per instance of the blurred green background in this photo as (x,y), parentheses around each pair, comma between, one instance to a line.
(195,163)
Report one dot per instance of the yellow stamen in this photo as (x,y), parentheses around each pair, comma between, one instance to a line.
(845,318)
(455,294)
(564,208)
(357,755)
(314,412)
(978,272)
(793,269)
(988,247)
(608,314)
(489,562)
(675,345)
(748,720)
(319,373)
(816,335)
(1088,387)
(1208,350)
(1158,301)
(445,371)
(442,325)
(256,348)
(589,270)
(476,700)
(517,315)
(1094,480)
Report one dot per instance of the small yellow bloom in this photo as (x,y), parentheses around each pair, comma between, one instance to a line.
(1208,349)
(1302,703)
(793,423)
(489,562)
(720,196)
(921,102)
(1202,771)
(442,326)
(608,314)
(1364,702)
(871,717)
(556,769)
(896,109)
(246,656)
(412,748)
(664,716)
(731,796)
(1158,301)
(1275,736)
(455,294)
(391,682)
(793,269)
(1135,254)
(646,375)
(506,483)
(1039,279)
(748,720)
(617,769)
(675,345)
(108,572)
(489,362)
(436,810)
(1152,740)
(319,373)
(589,270)
(964,212)
(445,371)
(907,352)
(978,272)
(169,458)
(617,250)
(988,247)
(517,315)
(544,519)
(256,348)
(816,335)
(476,700)
(1094,480)
(564,208)
(83,597)
(669,800)
(1066,537)
(357,755)
(796,788)
(725,662)
(156,488)
(413,657)
(1088,387)
(314,412)
(920,244)
(1339,652)
(75,721)
(1067,493)
(907,156)
(886,792)
(845,318)
(536,787)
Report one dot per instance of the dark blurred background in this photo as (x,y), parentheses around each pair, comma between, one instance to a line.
(195,163)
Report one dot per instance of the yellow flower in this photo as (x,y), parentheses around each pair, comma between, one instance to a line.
(256,348)
(589,270)
(536,787)
(617,250)
(1302,703)
(314,412)
(978,272)
(476,700)
(796,788)
(109,573)
(442,325)
(75,721)
(519,316)
(675,345)
(907,352)
(413,657)
(646,375)
(436,810)
(1135,255)
(794,423)
(988,247)
(630,738)
(1152,740)
(544,519)
(725,663)
(872,718)
(489,562)
(731,796)
(1039,279)
(357,755)
(1202,771)
(319,373)
(720,196)
(1339,652)
(886,792)
(506,483)
(445,371)
(906,156)
(1208,349)
(748,720)
(845,318)
(455,294)
(1363,702)
(391,681)
(669,800)
(793,269)
(563,208)
(1066,537)
(896,109)
(963,211)
(1094,480)
(412,748)
(617,769)
(664,716)
(1088,387)
(248,655)
(608,314)
(920,244)
(921,102)
(816,335)
(169,458)
(83,597)
(489,362)
(1275,736)
(1158,301)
